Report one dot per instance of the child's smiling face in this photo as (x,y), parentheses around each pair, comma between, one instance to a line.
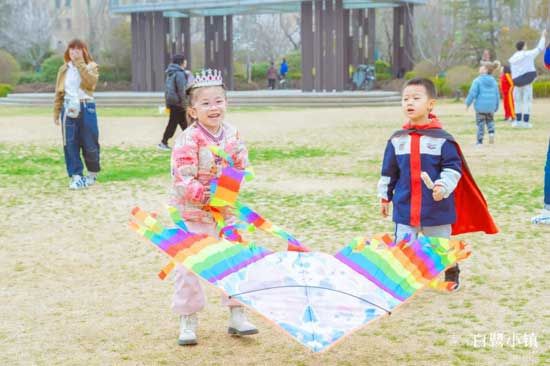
(417,104)
(208,106)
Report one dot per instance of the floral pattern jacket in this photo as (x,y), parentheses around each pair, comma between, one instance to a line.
(194,166)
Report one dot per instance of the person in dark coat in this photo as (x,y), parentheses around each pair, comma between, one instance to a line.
(176,99)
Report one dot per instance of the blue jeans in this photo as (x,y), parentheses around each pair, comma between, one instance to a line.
(547,179)
(81,133)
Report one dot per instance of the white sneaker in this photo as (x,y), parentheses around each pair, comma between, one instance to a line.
(77,182)
(527,125)
(163,146)
(188,327)
(515,124)
(239,324)
(543,218)
(491,138)
(90,180)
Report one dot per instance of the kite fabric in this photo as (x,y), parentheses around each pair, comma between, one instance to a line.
(316,298)
(547,57)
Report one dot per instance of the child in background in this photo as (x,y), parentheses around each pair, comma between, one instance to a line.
(422,146)
(485,95)
(507,89)
(194,166)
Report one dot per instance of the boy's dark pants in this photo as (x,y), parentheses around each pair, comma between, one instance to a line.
(178,116)
(482,119)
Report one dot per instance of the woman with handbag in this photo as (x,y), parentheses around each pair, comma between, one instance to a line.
(74,108)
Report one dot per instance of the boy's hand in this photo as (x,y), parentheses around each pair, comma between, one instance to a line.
(385,209)
(438,193)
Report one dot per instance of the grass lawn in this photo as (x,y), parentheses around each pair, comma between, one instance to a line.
(79,287)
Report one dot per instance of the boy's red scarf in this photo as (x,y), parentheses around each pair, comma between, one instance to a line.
(472,213)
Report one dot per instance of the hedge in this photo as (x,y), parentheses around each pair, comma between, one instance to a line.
(5,89)
(541,88)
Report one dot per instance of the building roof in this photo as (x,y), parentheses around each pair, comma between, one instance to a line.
(189,8)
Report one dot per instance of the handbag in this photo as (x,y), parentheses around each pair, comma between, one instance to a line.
(72,108)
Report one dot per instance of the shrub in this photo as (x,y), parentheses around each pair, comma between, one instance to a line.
(113,73)
(382,76)
(50,67)
(9,68)
(259,70)
(424,69)
(294,60)
(410,75)
(541,88)
(441,87)
(5,89)
(460,75)
(29,78)
(382,67)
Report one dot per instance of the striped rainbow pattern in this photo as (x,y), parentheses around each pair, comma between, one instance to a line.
(209,257)
(246,214)
(225,189)
(403,268)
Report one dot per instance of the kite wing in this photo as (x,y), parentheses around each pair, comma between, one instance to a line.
(315,297)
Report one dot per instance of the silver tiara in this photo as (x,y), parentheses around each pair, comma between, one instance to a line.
(207,77)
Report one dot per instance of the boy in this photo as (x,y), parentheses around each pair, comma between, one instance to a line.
(484,91)
(455,205)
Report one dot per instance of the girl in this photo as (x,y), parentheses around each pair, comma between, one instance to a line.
(193,168)
(74,103)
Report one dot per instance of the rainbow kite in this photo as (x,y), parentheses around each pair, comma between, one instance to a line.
(316,298)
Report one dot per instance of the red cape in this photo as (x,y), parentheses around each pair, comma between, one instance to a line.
(472,212)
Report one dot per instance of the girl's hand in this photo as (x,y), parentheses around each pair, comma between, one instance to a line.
(438,193)
(56,121)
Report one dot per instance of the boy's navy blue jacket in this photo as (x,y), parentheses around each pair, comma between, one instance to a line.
(429,148)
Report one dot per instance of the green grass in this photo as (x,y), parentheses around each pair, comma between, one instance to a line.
(118,164)
(12,111)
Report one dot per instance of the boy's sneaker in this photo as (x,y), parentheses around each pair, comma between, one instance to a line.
(162,146)
(543,218)
(90,180)
(453,275)
(491,138)
(515,124)
(526,125)
(77,182)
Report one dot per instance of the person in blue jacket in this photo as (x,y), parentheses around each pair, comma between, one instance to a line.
(485,95)
(283,70)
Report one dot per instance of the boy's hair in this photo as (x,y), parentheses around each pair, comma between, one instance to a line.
(506,69)
(426,83)
(520,45)
(178,59)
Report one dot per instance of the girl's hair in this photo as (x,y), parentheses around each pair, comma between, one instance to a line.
(191,93)
(77,43)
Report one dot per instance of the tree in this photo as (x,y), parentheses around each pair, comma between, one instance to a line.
(26,31)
